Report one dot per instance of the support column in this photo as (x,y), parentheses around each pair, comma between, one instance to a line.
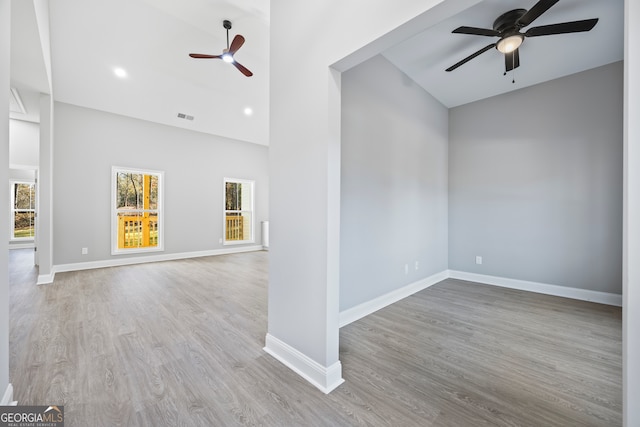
(631,233)
(44,222)
(5,203)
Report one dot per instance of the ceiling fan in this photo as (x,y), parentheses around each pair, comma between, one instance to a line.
(227,54)
(508,25)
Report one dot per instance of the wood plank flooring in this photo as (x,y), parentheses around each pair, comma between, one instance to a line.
(179,343)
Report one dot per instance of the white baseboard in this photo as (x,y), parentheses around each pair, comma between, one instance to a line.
(117,262)
(44,279)
(541,288)
(366,308)
(326,379)
(7,399)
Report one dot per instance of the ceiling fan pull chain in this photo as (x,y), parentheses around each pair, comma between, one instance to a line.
(513,68)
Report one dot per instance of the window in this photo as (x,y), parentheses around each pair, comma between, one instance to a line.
(23,210)
(136,224)
(238,211)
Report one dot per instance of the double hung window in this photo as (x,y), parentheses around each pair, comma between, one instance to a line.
(137,211)
(238,211)
(23,210)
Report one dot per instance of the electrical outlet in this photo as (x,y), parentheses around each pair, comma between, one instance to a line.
(417,265)
(220,241)
(478,260)
(406,269)
(85,251)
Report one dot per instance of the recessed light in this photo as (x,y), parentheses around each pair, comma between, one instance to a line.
(120,72)
(248,111)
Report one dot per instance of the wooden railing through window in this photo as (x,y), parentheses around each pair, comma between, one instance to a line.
(137,231)
(234,227)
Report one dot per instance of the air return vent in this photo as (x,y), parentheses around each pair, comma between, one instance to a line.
(185,116)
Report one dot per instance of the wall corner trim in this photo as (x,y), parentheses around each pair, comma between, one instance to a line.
(541,288)
(7,399)
(45,279)
(325,378)
(361,310)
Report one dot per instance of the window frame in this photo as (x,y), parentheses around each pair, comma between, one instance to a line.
(12,184)
(115,250)
(251,211)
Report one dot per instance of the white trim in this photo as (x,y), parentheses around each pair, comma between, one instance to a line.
(44,279)
(541,288)
(117,262)
(359,311)
(326,379)
(23,167)
(25,245)
(8,396)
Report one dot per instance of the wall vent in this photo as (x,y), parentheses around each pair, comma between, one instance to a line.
(185,116)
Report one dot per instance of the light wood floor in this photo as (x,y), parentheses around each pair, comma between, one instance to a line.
(180,344)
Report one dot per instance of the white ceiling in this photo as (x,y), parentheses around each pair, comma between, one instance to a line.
(28,75)
(151,40)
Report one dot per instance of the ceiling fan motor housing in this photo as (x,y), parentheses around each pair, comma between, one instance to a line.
(508,21)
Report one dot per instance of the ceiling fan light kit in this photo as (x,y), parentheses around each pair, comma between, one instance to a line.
(509,44)
(508,25)
(227,54)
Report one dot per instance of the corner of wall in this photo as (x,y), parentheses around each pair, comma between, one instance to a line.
(324,378)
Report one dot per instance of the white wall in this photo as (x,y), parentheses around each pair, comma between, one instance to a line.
(535,181)
(631,242)
(393,182)
(28,175)
(5,49)
(24,139)
(304,159)
(89,142)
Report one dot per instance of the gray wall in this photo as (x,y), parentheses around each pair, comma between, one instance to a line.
(393,182)
(535,182)
(89,142)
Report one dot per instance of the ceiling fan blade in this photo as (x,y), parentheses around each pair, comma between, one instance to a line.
(512,60)
(532,14)
(242,69)
(203,56)
(476,31)
(236,44)
(562,28)
(470,57)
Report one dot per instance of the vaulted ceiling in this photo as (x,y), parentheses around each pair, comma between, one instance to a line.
(151,40)
(425,56)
